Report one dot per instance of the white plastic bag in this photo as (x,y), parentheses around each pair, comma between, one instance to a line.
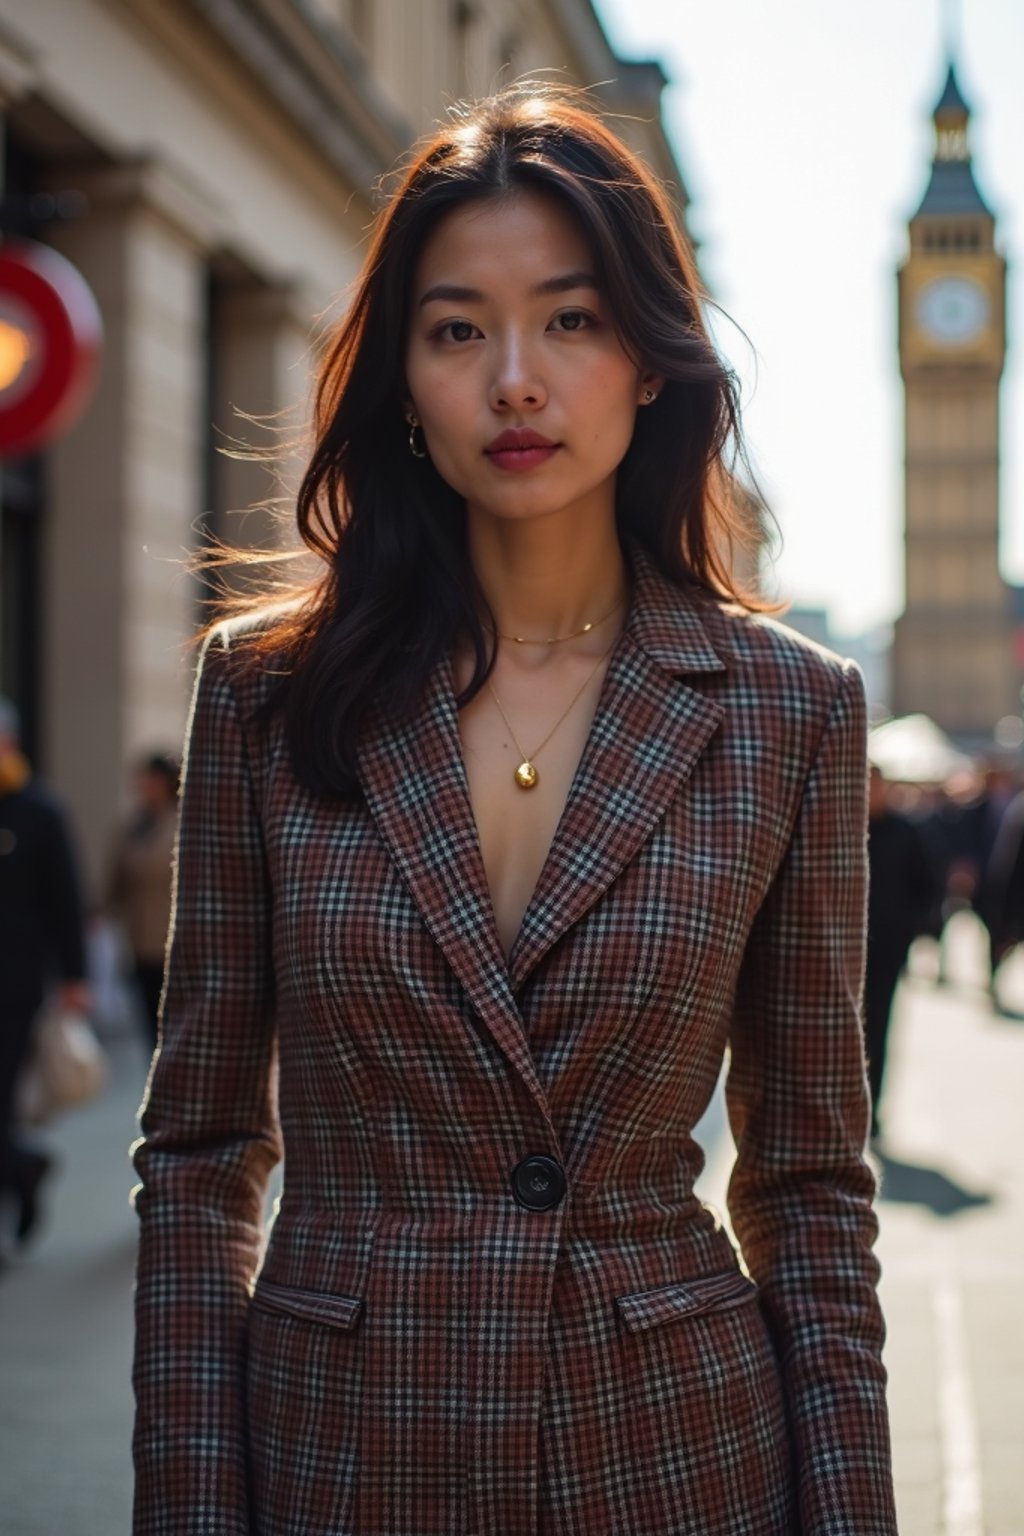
(67,1067)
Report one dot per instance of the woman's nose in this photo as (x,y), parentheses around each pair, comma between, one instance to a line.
(517,381)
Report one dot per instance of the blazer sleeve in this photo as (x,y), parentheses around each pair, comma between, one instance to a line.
(801,1193)
(209,1138)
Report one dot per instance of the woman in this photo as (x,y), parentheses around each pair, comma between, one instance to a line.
(492,844)
(139,885)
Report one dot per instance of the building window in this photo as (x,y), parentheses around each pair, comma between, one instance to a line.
(951,144)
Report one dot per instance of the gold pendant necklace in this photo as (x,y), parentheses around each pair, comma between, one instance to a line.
(526,775)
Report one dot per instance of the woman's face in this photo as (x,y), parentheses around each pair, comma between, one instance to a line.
(514,368)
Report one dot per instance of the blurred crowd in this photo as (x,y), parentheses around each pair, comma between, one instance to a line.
(51,944)
(936,849)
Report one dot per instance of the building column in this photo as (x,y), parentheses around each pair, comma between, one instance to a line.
(124,496)
(262,356)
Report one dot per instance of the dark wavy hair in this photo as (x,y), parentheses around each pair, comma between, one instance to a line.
(397,587)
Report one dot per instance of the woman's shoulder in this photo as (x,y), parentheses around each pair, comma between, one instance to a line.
(249,655)
(766,654)
(750,655)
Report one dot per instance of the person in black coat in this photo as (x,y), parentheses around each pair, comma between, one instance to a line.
(901,896)
(1001,903)
(991,834)
(41,940)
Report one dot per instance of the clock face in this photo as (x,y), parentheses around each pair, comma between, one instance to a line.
(952,310)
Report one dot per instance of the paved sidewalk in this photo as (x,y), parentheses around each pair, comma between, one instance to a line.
(952,1247)
(952,1243)
(66,1330)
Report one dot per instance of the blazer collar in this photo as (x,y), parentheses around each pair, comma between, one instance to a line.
(416,789)
(668,623)
(648,733)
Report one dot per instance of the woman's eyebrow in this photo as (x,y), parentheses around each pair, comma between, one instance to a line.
(566,283)
(454,293)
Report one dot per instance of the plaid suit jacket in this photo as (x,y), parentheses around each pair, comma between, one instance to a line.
(422,1354)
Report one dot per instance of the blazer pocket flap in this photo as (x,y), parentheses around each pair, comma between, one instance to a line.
(685,1298)
(309,1306)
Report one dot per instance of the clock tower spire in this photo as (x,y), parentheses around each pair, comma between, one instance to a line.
(953,648)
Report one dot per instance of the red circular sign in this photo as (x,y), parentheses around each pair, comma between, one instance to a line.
(50,336)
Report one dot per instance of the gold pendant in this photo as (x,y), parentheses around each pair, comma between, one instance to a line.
(526,775)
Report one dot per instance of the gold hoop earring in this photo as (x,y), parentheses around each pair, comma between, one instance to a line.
(417,453)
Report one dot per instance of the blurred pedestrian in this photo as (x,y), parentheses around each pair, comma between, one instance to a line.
(1001,906)
(901,902)
(984,825)
(949,826)
(139,886)
(41,942)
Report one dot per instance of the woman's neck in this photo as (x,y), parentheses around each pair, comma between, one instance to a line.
(542,581)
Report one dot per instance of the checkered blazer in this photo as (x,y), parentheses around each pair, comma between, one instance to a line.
(422,1354)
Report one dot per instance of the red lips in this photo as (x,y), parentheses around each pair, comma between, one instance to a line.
(519,449)
(518,439)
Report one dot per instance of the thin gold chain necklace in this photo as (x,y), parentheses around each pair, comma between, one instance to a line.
(557,639)
(526,775)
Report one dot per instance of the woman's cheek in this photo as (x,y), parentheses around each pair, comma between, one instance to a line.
(450,464)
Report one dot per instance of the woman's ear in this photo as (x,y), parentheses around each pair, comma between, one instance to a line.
(651,385)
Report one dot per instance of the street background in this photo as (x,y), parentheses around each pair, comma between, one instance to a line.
(952,1249)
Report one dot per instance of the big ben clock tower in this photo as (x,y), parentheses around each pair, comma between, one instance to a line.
(953,653)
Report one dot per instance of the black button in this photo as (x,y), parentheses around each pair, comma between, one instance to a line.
(538,1183)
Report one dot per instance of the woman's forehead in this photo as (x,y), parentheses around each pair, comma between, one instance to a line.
(522,239)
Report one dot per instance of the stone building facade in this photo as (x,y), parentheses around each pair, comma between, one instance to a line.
(226,156)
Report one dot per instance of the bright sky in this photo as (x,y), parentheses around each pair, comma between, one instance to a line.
(803,128)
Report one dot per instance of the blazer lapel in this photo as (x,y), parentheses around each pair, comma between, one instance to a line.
(415,785)
(648,733)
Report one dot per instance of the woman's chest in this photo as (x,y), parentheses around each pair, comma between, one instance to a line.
(517,796)
(521,739)
(364,906)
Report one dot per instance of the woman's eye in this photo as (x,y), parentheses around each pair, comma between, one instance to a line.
(457,330)
(572,320)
